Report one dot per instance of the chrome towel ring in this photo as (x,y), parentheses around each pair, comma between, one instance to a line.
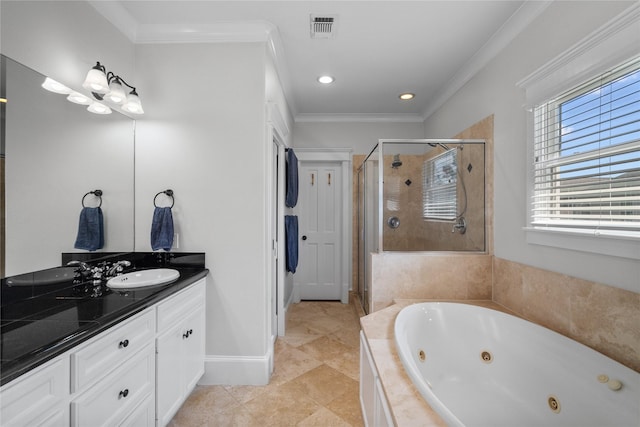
(97,193)
(168,193)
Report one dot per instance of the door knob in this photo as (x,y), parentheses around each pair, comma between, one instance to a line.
(304,237)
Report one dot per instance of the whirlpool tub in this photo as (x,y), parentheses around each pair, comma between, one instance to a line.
(480,367)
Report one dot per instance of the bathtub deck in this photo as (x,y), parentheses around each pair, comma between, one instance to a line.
(407,406)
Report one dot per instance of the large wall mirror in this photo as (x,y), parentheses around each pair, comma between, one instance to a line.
(53,153)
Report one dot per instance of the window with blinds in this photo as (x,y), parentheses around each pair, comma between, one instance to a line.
(587,156)
(439,187)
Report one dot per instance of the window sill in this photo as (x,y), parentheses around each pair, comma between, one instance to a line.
(586,241)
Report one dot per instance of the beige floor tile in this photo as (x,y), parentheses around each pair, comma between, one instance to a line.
(245,393)
(347,406)
(315,380)
(335,354)
(281,407)
(234,417)
(323,384)
(290,363)
(323,418)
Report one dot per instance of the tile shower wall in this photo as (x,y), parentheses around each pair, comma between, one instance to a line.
(416,234)
(602,317)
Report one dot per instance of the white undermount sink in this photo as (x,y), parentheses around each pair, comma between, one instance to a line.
(143,278)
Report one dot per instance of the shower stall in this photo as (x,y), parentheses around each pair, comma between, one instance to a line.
(420,195)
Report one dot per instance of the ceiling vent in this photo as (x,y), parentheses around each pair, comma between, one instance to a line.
(323,27)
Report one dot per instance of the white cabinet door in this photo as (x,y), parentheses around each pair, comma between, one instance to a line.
(168,374)
(38,398)
(367,384)
(180,350)
(193,356)
(373,402)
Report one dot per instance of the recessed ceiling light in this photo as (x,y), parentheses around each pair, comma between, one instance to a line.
(406,96)
(325,79)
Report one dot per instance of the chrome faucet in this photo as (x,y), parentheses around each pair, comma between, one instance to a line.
(117,267)
(82,266)
(85,271)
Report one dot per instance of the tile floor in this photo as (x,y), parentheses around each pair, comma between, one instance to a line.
(315,380)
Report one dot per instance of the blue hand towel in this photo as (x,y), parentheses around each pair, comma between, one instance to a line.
(90,230)
(162,229)
(291,198)
(291,239)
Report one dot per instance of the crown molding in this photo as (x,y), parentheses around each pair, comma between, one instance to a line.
(118,16)
(529,11)
(221,32)
(262,31)
(606,47)
(358,118)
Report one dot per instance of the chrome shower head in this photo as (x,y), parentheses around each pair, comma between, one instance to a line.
(396,161)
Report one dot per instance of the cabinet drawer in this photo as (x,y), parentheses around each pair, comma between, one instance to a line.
(111,349)
(111,401)
(40,397)
(175,308)
(142,416)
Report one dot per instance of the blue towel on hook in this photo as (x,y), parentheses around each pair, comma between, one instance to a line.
(90,230)
(292,179)
(162,229)
(291,239)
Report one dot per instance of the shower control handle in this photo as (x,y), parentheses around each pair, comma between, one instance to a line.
(304,237)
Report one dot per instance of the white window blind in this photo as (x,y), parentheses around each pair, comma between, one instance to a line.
(587,156)
(439,187)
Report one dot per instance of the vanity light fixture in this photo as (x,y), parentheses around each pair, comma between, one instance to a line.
(105,85)
(406,96)
(326,80)
(55,87)
(99,108)
(78,98)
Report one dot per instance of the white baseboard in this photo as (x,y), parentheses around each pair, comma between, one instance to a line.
(236,370)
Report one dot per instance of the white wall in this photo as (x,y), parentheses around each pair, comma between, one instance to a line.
(202,136)
(494,91)
(361,137)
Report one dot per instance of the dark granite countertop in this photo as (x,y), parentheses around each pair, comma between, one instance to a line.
(41,319)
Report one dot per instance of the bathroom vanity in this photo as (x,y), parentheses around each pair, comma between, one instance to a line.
(103,357)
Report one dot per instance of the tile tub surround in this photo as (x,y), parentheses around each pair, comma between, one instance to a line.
(407,406)
(602,317)
(435,275)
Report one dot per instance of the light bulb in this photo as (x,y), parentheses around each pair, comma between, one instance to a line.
(78,98)
(56,87)
(133,104)
(325,79)
(98,108)
(116,93)
(96,81)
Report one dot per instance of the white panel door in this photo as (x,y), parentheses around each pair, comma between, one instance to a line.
(319,209)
